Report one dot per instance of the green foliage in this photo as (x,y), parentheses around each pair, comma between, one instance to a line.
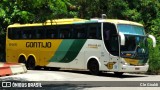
(154,59)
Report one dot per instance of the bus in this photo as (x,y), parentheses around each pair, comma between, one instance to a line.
(95,45)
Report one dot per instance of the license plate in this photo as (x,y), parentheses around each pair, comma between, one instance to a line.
(137,68)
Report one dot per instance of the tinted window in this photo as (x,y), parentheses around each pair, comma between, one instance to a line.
(51,33)
(26,33)
(94,31)
(40,33)
(111,38)
(64,31)
(14,33)
(80,31)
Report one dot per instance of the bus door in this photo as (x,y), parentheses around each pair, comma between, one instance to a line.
(112,46)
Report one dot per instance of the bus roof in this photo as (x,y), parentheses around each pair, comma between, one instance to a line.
(75,21)
(50,22)
(116,21)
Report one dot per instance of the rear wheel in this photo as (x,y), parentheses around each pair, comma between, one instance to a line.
(93,67)
(54,68)
(22,60)
(31,63)
(38,67)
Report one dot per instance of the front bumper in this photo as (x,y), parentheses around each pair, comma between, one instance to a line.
(127,68)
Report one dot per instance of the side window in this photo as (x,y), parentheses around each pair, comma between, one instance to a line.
(94,31)
(111,38)
(28,33)
(24,34)
(51,33)
(107,35)
(79,32)
(40,33)
(17,35)
(14,33)
(65,32)
(33,33)
(89,31)
(10,33)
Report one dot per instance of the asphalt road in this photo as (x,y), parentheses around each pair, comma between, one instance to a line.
(82,80)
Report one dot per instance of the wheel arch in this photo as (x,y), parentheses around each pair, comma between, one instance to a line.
(93,58)
(22,55)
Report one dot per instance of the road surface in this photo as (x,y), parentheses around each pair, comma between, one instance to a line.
(85,81)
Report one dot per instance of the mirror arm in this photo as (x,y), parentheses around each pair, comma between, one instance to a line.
(153,39)
(122,38)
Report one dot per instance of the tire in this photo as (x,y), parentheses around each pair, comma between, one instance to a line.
(118,73)
(93,67)
(38,68)
(22,60)
(46,68)
(31,63)
(54,68)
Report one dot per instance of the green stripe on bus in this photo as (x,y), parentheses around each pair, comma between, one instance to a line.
(74,50)
(62,50)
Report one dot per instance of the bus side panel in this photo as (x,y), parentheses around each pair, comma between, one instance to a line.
(95,49)
(45,54)
(15,48)
(67,52)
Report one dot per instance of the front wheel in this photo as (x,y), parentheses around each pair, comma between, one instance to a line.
(118,73)
(54,68)
(31,63)
(93,67)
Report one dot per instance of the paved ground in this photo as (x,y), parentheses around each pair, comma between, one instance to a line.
(68,80)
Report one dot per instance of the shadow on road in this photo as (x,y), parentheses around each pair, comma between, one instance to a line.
(106,74)
(103,74)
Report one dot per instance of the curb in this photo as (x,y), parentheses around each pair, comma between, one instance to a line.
(7,69)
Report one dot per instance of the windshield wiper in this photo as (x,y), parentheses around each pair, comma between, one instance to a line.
(135,51)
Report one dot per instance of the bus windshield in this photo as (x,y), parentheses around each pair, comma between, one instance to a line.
(131,29)
(136,45)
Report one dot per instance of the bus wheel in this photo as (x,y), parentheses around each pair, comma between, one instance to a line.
(38,67)
(22,60)
(54,68)
(118,73)
(93,67)
(31,63)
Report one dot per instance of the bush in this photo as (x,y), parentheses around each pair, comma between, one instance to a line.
(154,59)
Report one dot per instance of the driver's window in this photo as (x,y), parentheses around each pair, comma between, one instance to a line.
(111,38)
(107,33)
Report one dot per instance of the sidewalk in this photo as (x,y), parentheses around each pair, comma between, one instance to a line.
(11,68)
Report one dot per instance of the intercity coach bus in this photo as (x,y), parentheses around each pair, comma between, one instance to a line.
(96,45)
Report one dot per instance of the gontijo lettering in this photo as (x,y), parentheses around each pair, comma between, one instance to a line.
(38,44)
